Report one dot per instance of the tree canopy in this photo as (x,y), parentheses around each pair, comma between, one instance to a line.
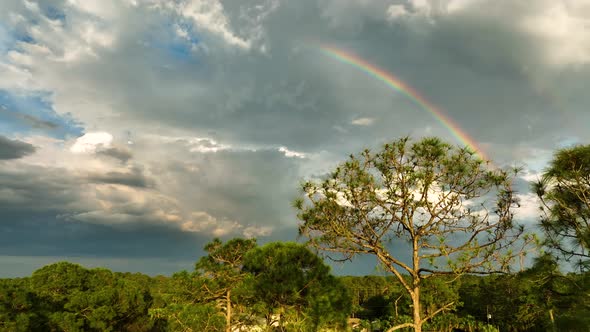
(222,268)
(295,287)
(68,297)
(564,191)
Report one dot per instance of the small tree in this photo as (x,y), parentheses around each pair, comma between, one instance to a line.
(222,268)
(564,191)
(453,211)
(293,284)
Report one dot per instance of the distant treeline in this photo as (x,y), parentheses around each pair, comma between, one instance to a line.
(285,287)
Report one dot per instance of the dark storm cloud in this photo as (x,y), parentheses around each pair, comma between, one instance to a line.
(14,149)
(121,154)
(132,178)
(66,196)
(34,189)
(49,235)
(48,213)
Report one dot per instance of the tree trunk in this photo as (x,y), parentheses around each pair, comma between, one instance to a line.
(416,286)
(228,311)
(416,309)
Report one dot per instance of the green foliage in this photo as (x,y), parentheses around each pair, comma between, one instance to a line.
(540,298)
(223,262)
(448,323)
(19,309)
(293,283)
(537,299)
(68,297)
(564,191)
(438,291)
(377,298)
(199,301)
(223,278)
(189,317)
(221,269)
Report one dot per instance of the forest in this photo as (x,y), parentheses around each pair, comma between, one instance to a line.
(457,270)
(68,297)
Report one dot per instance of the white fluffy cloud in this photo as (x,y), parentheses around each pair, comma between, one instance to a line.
(14,78)
(562,29)
(209,15)
(529,208)
(291,154)
(90,142)
(363,121)
(203,222)
(557,28)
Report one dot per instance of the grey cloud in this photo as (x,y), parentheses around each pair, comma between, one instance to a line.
(46,234)
(133,178)
(31,120)
(261,99)
(254,188)
(62,193)
(51,212)
(220,193)
(48,190)
(14,149)
(37,123)
(48,215)
(118,153)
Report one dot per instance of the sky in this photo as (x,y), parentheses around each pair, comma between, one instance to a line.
(133,132)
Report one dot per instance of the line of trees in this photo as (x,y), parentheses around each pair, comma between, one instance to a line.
(275,294)
(438,219)
(238,286)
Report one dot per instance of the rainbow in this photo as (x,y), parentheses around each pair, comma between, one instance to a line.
(398,85)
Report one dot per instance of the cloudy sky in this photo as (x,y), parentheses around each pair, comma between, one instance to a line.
(132,132)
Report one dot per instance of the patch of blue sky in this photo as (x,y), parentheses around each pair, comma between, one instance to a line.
(167,40)
(9,38)
(34,114)
(179,51)
(568,142)
(539,160)
(53,13)
(25,38)
(188,28)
